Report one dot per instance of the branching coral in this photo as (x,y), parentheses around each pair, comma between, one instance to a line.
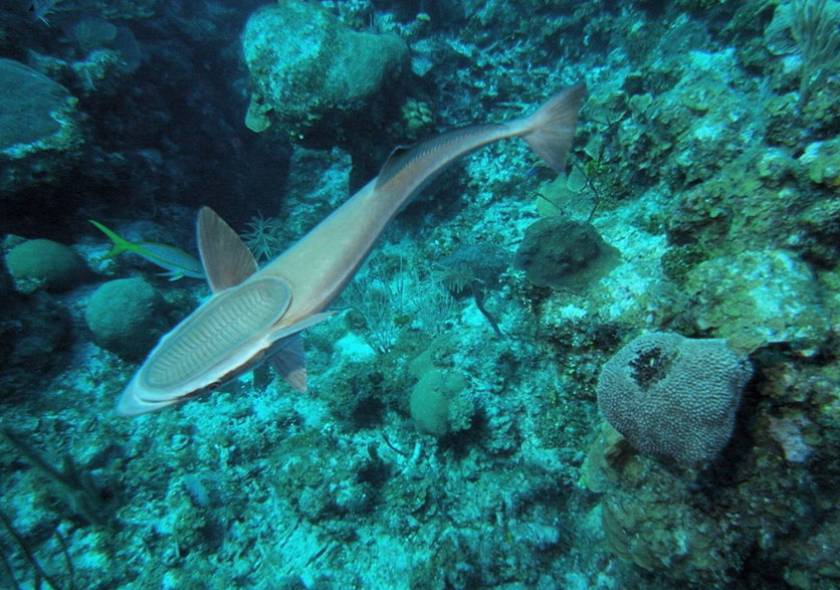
(28,552)
(474,269)
(389,306)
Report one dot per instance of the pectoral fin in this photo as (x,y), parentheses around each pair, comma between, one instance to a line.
(172,275)
(225,257)
(286,331)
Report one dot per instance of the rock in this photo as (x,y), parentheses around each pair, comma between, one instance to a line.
(756,298)
(114,9)
(322,71)
(437,404)
(39,132)
(33,337)
(822,162)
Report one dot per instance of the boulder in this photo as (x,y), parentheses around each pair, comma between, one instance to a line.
(322,73)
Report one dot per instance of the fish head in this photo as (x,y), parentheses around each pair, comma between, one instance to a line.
(226,336)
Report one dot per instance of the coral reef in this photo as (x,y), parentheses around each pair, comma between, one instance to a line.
(451,435)
(39,128)
(759,298)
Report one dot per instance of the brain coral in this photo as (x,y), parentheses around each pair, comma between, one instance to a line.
(44,263)
(126,316)
(672,396)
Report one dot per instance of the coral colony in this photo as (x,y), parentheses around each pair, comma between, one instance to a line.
(321,295)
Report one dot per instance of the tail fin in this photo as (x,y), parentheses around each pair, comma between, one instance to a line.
(550,130)
(120,244)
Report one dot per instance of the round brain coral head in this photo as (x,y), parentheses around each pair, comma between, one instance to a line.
(672,396)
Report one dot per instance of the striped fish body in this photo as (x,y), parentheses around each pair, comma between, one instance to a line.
(174,261)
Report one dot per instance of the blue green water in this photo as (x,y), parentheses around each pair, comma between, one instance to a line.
(621,373)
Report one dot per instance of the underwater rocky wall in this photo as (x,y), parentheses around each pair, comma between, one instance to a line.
(622,376)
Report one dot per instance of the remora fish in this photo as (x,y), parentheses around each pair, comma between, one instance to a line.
(174,261)
(258,314)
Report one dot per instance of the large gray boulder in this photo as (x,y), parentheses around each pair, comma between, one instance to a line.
(309,70)
(39,131)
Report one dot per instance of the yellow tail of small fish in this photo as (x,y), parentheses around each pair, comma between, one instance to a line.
(120,244)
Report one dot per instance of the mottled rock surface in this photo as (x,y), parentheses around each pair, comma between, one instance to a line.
(322,71)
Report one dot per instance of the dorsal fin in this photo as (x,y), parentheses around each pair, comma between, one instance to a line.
(224,256)
(395,162)
(435,152)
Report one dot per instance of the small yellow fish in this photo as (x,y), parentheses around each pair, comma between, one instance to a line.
(174,261)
